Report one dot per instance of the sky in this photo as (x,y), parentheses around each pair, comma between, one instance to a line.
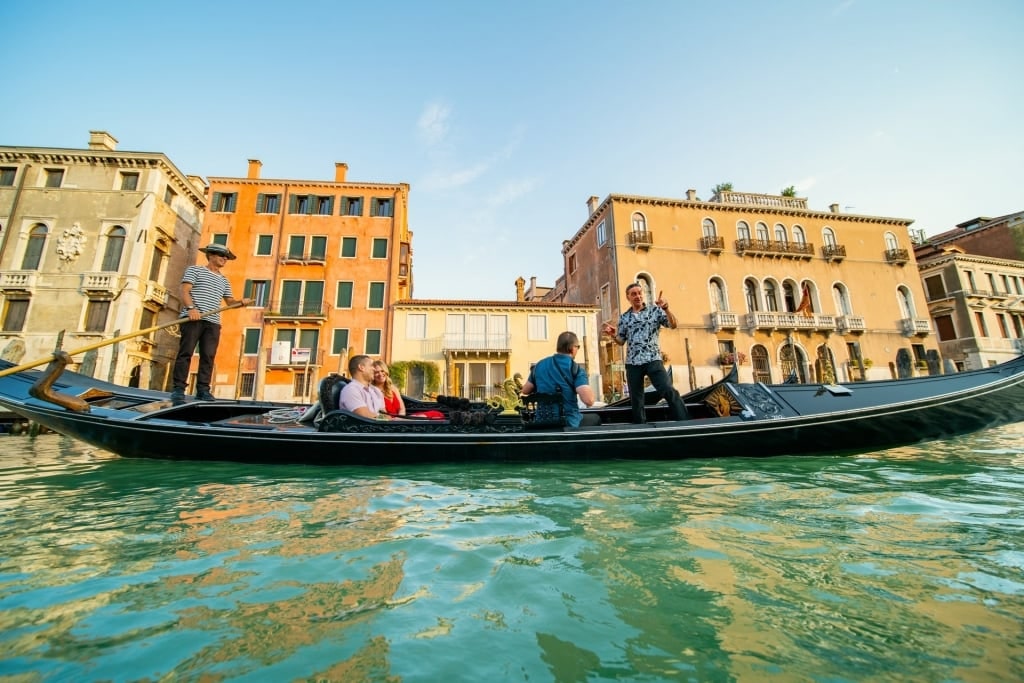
(504,117)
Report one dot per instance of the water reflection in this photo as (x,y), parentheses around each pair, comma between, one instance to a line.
(906,563)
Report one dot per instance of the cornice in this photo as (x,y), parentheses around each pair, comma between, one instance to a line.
(394,187)
(504,305)
(940,259)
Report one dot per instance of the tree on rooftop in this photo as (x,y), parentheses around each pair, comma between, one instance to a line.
(789,192)
(721,187)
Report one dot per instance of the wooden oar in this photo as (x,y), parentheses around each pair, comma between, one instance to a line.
(108,342)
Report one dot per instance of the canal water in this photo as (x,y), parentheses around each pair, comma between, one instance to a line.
(900,565)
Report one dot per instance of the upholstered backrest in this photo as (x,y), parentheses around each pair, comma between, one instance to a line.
(543,410)
(330,391)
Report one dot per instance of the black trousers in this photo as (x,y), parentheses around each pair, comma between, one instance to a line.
(207,336)
(655,370)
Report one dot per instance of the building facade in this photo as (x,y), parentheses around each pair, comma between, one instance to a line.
(977,304)
(1002,237)
(475,346)
(323,260)
(92,245)
(759,281)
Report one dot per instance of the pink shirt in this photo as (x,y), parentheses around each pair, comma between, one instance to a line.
(358,395)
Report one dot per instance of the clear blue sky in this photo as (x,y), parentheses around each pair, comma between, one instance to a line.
(505,116)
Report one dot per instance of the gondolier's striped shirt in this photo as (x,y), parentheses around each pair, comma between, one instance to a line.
(209,290)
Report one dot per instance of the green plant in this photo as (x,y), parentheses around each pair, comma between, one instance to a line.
(721,187)
(431,375)
(732,358)
(789,192)
(868,362)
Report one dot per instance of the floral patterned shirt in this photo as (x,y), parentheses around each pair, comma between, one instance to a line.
(640,330)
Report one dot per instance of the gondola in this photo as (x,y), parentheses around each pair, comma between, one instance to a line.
(726,419)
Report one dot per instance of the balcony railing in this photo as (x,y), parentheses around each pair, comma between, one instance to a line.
(833,252)
(101,282)
(774,248)
(18,279)
(477,342)
(642,239)
(303,258)
(156,293)
(773,320)
(712,244)
(897,257)
(850,323)
(773,200)
(301,309)
(916,326)
(724,320)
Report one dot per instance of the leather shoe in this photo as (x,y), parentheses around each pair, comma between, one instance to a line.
(177,397)
(205,396)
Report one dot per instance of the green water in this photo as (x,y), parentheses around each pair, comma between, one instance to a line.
(903,565)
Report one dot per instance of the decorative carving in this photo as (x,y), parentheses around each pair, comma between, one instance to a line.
(70,243)
(758,399)
(508,401)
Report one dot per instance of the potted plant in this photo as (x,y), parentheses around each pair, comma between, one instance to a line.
(732,358)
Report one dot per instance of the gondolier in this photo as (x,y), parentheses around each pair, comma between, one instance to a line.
(639,327)
(203,289)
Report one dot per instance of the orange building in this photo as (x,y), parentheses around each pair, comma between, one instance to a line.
(324,260)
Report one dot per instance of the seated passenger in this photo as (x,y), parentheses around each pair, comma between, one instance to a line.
(393,403)
(560,374)
(360,396)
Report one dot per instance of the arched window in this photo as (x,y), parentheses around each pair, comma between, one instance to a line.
(842,299)
(891,242)
(743,230)
(828,237)
(789,296)
(160,251)
(112,252)
(780,233)
(771,295)
(34,248)
(639,222)
(717,292)
(798,235)
(708,226)
(762,232)
(750,291)
(761,364)
(906,300)
(646,283)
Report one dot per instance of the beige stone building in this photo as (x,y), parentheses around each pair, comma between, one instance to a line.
(759,279)
(93,242)
(476,345)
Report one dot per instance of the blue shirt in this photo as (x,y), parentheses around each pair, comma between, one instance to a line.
(553,375)
(640,330)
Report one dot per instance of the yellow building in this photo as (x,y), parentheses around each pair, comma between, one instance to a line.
(93,243)
(476,345)
(758,279)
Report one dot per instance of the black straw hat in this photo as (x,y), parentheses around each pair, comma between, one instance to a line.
(219,250)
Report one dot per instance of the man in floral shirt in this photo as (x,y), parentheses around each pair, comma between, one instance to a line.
(639,327)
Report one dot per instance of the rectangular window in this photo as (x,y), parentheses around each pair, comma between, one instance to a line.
(54,177)
(1004,329)
(537,328)
(224,202)
(251,341)
(945,328)
(96,315)
(979,320)
(416,326)
(572,263)
(344,298)
(1006,284)
(318,248)
(220,238)
(351,206)
(376,298)
(372,342)
(606,303)
(302,383)
(169,195)
(935,288)
(381,207)
(325,206)
(15,311)
(602,234)
(380,248)
(257,290)
(339,344)
(577,324)
(264,245)
(313,298)
(129,182)
(247,385)
(7,175)
(300,203)
(348,247)
(268,203)
(147,319)
(296,247)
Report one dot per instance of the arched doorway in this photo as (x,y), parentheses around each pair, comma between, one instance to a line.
(762,364)
(794,363)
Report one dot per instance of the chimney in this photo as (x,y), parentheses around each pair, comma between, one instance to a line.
(691,195)
(101,139)
(340,170)
(520,282)
(592,205)
(834,208)
(254,169)
(533,288)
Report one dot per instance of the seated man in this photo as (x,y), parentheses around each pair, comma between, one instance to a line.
(560,374)
(360,396)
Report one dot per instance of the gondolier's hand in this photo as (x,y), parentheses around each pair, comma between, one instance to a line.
(194,313)
(660,302)
(608,329)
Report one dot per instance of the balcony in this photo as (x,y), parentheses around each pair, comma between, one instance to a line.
(752,247)
(774,320)
(477,342)
(156,293)
(294,361)
(920,327)
(850,323)
(297,311)
(304,259)
(107,283)
(897,257)
(724,320)
(761,321)
(712,244)
(640,239)
(833,252)
(21,280)
(751,198)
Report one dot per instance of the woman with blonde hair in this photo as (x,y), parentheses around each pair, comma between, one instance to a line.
(393,403)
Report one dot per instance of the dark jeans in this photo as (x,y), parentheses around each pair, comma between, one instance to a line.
(659,380)
(207,336)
